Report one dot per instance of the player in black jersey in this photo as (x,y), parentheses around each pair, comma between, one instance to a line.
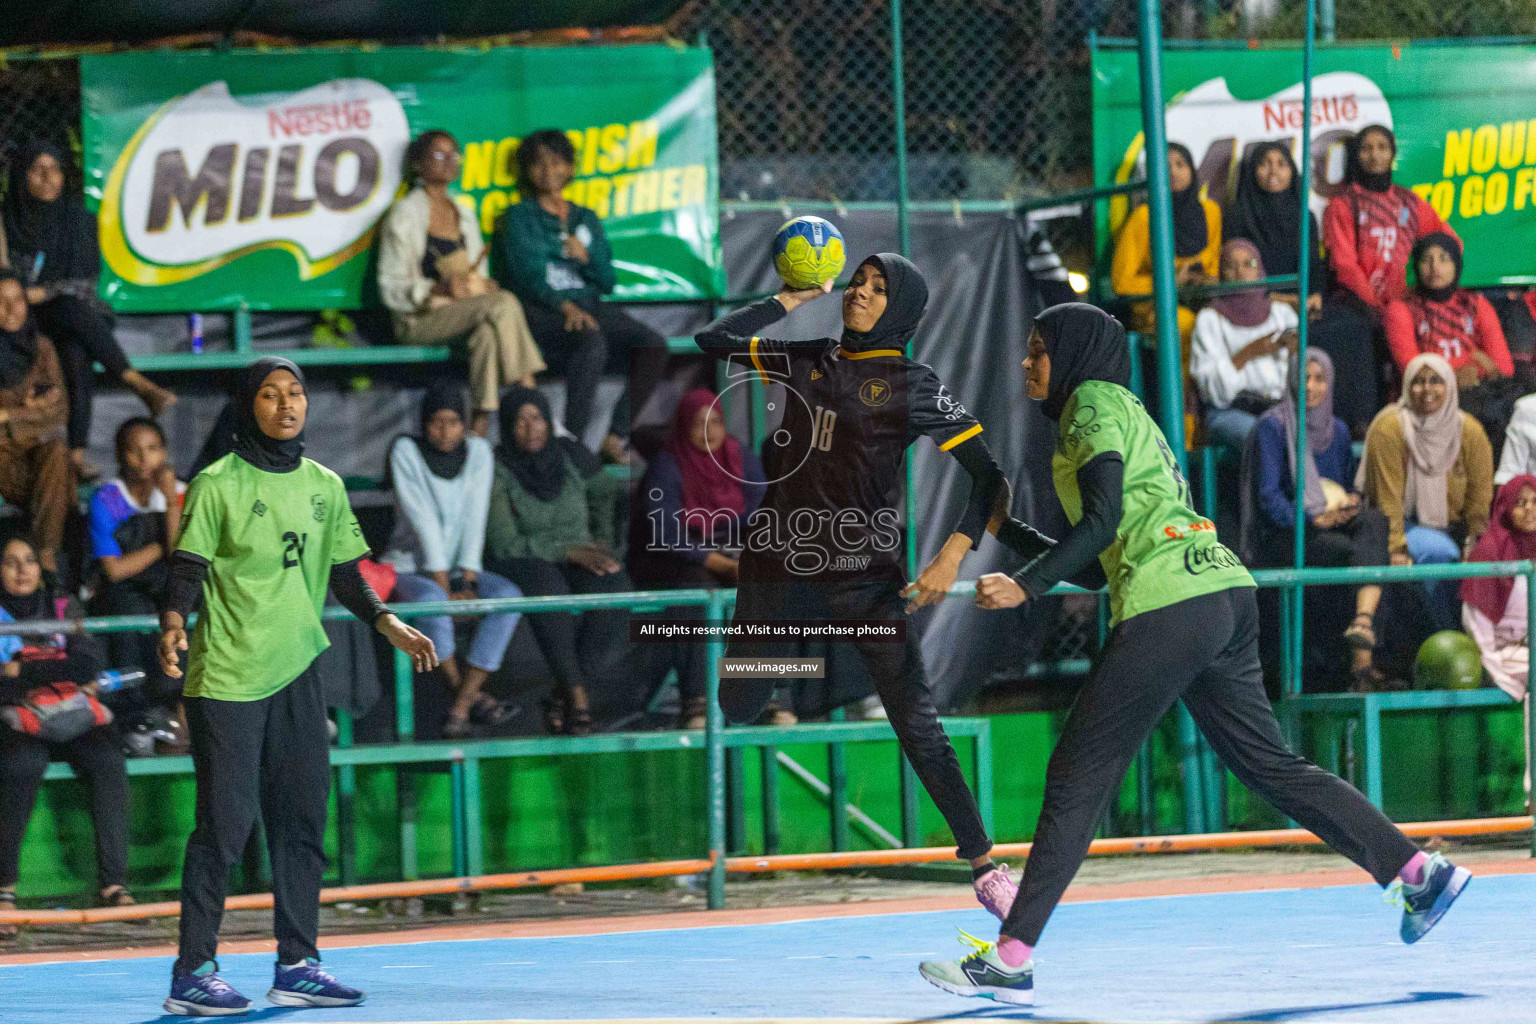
(826,543)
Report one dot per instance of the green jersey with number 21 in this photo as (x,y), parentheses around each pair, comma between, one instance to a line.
(1163,552)
(270,540)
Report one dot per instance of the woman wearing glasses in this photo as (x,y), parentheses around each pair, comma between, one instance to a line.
(432,276)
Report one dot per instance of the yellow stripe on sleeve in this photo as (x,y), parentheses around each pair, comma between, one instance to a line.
(960,438)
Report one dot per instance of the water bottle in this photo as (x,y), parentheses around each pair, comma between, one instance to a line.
(195,331)
(115,679)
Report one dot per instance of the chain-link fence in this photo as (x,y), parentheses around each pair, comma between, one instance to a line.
(39,99)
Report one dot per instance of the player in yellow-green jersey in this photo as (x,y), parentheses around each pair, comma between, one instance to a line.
(264,533)
(1186,627)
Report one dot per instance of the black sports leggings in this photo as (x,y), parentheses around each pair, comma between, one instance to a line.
(83,335)
(897,669)
(621,344)
(576,646)
(98,762)
(1205,651)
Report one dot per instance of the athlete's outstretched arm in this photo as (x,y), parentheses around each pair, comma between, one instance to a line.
(737,332)
(1100,482)
(986,508)
(359,598)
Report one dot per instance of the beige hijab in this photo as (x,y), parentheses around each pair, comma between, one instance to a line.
(1433,443)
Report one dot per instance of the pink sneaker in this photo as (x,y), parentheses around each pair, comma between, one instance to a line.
(995,891)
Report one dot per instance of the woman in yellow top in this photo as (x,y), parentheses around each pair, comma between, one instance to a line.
(1196,251)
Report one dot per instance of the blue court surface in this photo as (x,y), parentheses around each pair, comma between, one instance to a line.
(1324,955)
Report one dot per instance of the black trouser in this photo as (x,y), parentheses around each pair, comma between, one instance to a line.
(95,757)
(1205,651)
(1359,542)
(897,669)
(576,645)
(82,332)
(1350,332)
(664,570)
(621,344)
(272,756)
(137,650)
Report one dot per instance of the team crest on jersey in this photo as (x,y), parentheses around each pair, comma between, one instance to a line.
(317,506)
(815,375)
(874,392)
(259,508)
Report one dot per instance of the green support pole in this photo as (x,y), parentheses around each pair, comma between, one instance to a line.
(770,800)
(735,800)
(1530,688)
(1170,370)
(474,837)
(714,725)
(405,775)
(346,791)
(983,774)
(1325,25)
(1192,770)
(456,819)
(242,319)
(1303,265)
(837,788)
(1144,804)
(911,827)
(904,242)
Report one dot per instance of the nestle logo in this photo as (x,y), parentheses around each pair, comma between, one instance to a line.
(319,119)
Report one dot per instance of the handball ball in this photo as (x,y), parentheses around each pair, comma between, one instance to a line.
(1449,660)
(808,252)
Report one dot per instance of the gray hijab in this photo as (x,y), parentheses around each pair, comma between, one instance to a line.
(1319,431)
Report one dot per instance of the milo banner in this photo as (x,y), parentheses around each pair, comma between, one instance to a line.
(1465,119)
(260,178)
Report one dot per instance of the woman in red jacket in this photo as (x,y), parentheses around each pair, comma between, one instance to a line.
(1369,230)
(1438,315)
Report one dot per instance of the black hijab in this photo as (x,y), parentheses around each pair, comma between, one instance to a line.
(1452,248)
(1191,233)
(251,444)
(1084,343)
(1352,169)
(443,394)
(906,297)
(542,473)
(1270,220)
(18,348)
(60,232)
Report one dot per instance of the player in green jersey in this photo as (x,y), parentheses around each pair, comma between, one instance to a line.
(1186,627)
(264,533)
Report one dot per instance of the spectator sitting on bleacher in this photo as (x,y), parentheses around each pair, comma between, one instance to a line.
(1494,609)
(1429,468)
(432,279)
(1369,230)
(1519,453)
(697,495)
(555,256)
(1438,315)
(133,524)
(1240,349)
(442,485)
(1267,212)
(551,530)
(1341,529)
(51,239)
(88,744)
(34,462)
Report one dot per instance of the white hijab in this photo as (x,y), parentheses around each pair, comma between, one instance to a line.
(1433,442)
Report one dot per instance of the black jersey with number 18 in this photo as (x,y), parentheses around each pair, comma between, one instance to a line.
(833,509)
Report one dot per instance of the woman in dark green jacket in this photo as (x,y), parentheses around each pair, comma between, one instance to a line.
(555,257)
(551,530)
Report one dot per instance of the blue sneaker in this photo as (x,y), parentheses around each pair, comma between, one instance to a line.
(308,985)
(204,994)
(1426,903)
(982,974)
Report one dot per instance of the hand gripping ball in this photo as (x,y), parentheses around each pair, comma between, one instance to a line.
(808,251)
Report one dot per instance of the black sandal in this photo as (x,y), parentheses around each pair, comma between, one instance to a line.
(1361,637)
(117,896)
(554,714)
(487,710)
(7,902)
(578,718)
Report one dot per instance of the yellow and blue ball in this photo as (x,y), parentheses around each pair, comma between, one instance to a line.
(808,251)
